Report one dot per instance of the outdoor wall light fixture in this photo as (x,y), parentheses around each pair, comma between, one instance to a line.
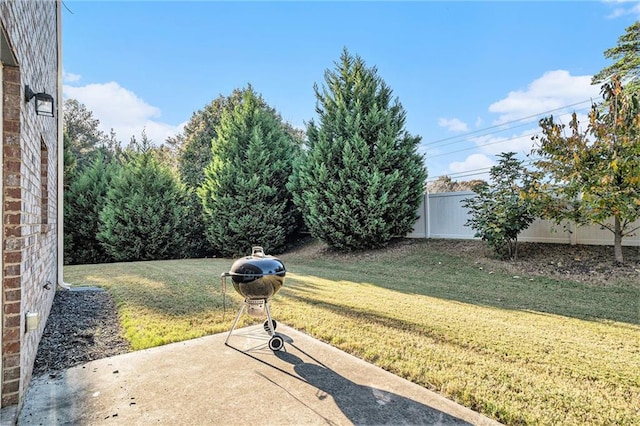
(44,101)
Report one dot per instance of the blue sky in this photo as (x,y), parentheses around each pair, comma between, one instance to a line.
(474,77)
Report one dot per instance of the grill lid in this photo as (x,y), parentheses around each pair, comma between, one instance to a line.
(257,276)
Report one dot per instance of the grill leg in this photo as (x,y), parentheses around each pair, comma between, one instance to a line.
(272,328)
(235,322)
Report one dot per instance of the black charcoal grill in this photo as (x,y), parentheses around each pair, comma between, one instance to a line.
(257,278)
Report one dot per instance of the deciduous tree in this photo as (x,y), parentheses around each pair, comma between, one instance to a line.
(501,209)
(83,135)
(593,175)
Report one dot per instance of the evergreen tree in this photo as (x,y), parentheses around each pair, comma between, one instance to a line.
(193,147)
(244,197)
(83,200)
(361,180)
(141,219)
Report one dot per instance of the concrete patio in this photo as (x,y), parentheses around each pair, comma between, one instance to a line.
(203,381)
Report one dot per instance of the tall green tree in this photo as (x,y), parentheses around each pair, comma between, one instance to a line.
(83,201)
(593,175)
(193,147)
(83,136)
(627,60)
(141,219)
(361,179)
(501,210)
(245,201)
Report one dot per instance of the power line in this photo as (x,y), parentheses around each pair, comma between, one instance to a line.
(474,172)
(500,130)
(482,145)
(501,125)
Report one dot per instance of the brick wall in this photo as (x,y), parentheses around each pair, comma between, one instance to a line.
(29,195)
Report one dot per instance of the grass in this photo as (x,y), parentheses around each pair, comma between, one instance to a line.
(520,350)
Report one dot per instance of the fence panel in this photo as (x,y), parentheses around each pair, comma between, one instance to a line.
(442,215)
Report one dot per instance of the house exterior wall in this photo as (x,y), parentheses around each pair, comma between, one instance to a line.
(30,181)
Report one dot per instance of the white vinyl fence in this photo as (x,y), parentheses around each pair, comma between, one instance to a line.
(442,215)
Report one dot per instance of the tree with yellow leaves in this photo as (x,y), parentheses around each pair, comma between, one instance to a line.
(593,176)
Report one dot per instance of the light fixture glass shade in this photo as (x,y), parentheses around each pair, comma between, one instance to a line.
(44,104)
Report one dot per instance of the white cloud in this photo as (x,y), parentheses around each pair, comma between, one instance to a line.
(123,111)
(623,8)
(453,124)
(554,90)
(521,142)
(68,77)
(474,163)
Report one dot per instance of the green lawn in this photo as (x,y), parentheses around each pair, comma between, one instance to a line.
(523,350)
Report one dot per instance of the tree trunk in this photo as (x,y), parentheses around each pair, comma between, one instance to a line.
(617,241)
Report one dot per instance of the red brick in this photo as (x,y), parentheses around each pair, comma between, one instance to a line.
(10,386)
(12,151)
(12,257)
(11,308)
(15,206)
(12,283)
(12,90)
(12,373)
(13,193)
(11,74)
(12,295)
(12,219)
(12,113)
(12,167)
(11,335)
(12,270)
(9,399)
(12,360)
(12,347)
(11,126)
(12,231)
(11,139)
(12,320)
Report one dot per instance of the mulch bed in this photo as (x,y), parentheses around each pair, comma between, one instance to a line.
(83,326)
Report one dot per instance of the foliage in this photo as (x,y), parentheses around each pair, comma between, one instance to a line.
(627,60)
(446,184)
(500,211)
(83,135)
(245,201)
(194,154)
(83,201)
(141,219)
(361,180)
(593,175)
(69,161)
